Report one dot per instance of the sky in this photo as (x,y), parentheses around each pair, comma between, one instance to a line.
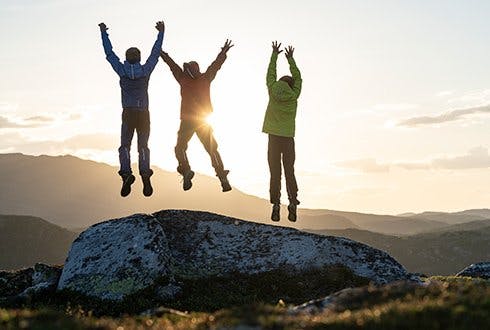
(394,114)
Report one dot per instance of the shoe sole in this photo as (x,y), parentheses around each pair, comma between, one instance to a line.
(189,178)
(126,188)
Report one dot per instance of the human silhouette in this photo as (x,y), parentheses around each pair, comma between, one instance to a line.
(279,124)
(134,78)
(195,107)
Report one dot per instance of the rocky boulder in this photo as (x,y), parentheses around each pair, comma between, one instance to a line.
(481,269)
(26,282)
(118,257)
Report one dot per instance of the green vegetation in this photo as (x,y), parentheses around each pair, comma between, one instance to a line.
(212,293)
(446,303)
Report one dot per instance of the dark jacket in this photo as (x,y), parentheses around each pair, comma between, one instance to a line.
(195,92)
(134,78)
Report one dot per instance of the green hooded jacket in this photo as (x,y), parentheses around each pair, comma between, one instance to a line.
(283,100)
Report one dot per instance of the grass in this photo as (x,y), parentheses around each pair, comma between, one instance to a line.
(447,303)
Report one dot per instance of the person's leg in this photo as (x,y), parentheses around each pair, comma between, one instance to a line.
(127,132)
(288,159)
(143,131)
(186,131)
(205,134)
(274,159)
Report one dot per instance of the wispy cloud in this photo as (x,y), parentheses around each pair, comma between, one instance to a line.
(94,141)
(6,122)
(11,121)
(444,117)
(39,119)
(476,158)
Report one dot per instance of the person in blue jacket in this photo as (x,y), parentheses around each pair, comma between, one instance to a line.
(134,78)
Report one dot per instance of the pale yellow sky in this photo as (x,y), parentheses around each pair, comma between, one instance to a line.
(378,126)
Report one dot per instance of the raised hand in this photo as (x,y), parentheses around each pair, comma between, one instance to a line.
(227,46)
(289,52)
(276,47)
(160,26)
(103,27)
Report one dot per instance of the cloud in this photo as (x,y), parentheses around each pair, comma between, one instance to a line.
(42,119)
(6,122)
(36,121)
(476,158)
(95,141)
(443,118)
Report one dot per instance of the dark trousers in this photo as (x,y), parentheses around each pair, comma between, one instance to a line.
(205,133)
(282,148)
(132,120)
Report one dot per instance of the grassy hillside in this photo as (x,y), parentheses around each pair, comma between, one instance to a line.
(442,252)
(446,303)
(25,240)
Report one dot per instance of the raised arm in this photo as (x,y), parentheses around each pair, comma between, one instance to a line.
(271,70)
(109,53)
(294,71)
(174,67)
(155,51)
(218,62)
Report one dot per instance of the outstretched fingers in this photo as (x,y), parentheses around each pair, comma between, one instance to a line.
(276,47)
(289,51)
(228,44)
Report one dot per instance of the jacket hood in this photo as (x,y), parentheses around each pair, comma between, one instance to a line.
(133,71)
(281,92)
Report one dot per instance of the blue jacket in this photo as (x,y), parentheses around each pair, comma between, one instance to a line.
(133,77)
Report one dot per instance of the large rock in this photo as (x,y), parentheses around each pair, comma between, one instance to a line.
(118,257)
(481,269)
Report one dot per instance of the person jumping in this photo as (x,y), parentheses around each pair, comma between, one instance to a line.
(195,107)
(134,78)
(279,124)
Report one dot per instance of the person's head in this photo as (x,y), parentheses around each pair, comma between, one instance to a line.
(133,55)
(289,80)
(192,69)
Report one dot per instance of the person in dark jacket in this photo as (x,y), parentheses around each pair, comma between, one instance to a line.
(280,124)
(195,107)
(134,78)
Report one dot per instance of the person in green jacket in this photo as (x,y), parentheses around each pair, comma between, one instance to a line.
(279,124)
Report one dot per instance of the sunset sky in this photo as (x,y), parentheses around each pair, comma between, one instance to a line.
(394,115)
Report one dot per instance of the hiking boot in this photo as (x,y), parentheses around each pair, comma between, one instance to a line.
(128,180)
(292,212)
(276,212)
(187,180)
(225,185)
(147,188)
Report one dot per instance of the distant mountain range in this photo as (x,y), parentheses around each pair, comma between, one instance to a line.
(26,240)
(440,252)
(76,193)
